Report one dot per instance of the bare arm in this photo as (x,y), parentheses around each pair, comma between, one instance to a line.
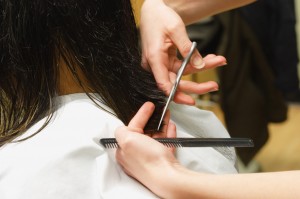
(155,166)
(193,10)
(154,160)
(189,184)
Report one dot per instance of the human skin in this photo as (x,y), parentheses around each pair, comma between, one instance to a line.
(162,27)
(147,160)
(155,160)
(192,10)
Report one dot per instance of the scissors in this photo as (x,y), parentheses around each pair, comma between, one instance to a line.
(178,77)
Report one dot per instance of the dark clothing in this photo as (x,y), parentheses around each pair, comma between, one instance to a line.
(249,96)
(273,22)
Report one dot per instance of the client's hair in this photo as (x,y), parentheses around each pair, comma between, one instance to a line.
(96,37)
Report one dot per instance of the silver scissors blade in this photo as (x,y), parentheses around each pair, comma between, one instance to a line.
(178,77)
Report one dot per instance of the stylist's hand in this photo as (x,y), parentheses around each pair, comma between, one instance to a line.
(162,33)
(141,156)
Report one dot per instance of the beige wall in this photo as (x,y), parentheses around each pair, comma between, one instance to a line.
(211,74)
(136,5)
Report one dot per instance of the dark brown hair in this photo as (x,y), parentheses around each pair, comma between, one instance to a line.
(99,37)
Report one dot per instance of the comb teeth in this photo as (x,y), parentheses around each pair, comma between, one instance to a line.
(170,143)
(112,143)
(109,143)
(190,142)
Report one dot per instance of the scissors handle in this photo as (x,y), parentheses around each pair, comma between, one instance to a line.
(175,85)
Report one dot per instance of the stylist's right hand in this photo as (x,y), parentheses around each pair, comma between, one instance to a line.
(162,33)
(141,156)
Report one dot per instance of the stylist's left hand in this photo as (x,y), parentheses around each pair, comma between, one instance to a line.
(141,156)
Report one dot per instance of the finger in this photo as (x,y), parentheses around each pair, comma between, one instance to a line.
(182,98)
(160,73)
(197,88)
(142,116)
(211,61)
(163,132)
(209,56)
(171,133)
(158,59)
(122,134)
(145,63)
(180,38)
(166,122)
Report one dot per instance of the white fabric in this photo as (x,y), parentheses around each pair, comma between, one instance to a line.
(66,161)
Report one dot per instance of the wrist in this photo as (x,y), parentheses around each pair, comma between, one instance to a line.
(175,183)
(164,178)
(171,182)
(179,7)
(184,183)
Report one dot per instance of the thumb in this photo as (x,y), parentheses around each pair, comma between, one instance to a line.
(180,38)
(141,118)
(137,123)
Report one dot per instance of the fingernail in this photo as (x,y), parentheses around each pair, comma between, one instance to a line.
(198,62)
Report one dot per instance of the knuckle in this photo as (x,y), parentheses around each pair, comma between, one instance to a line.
(151,55)
(150,59)
(173,27)
(165,87)
(128,142)
(121,128)
(185,48)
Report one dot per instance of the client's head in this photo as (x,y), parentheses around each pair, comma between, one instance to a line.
(95,41)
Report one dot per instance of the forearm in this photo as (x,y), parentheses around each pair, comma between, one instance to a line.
(194,10)
(261,185)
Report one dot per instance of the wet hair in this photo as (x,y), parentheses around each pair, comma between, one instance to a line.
(96,37)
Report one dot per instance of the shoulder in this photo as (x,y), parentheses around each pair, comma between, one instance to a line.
(63,157)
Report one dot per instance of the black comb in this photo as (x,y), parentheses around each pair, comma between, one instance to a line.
(190,142)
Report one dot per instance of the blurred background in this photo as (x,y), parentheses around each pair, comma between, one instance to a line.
(259,95)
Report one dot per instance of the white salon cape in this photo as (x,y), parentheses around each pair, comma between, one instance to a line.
(66,161)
